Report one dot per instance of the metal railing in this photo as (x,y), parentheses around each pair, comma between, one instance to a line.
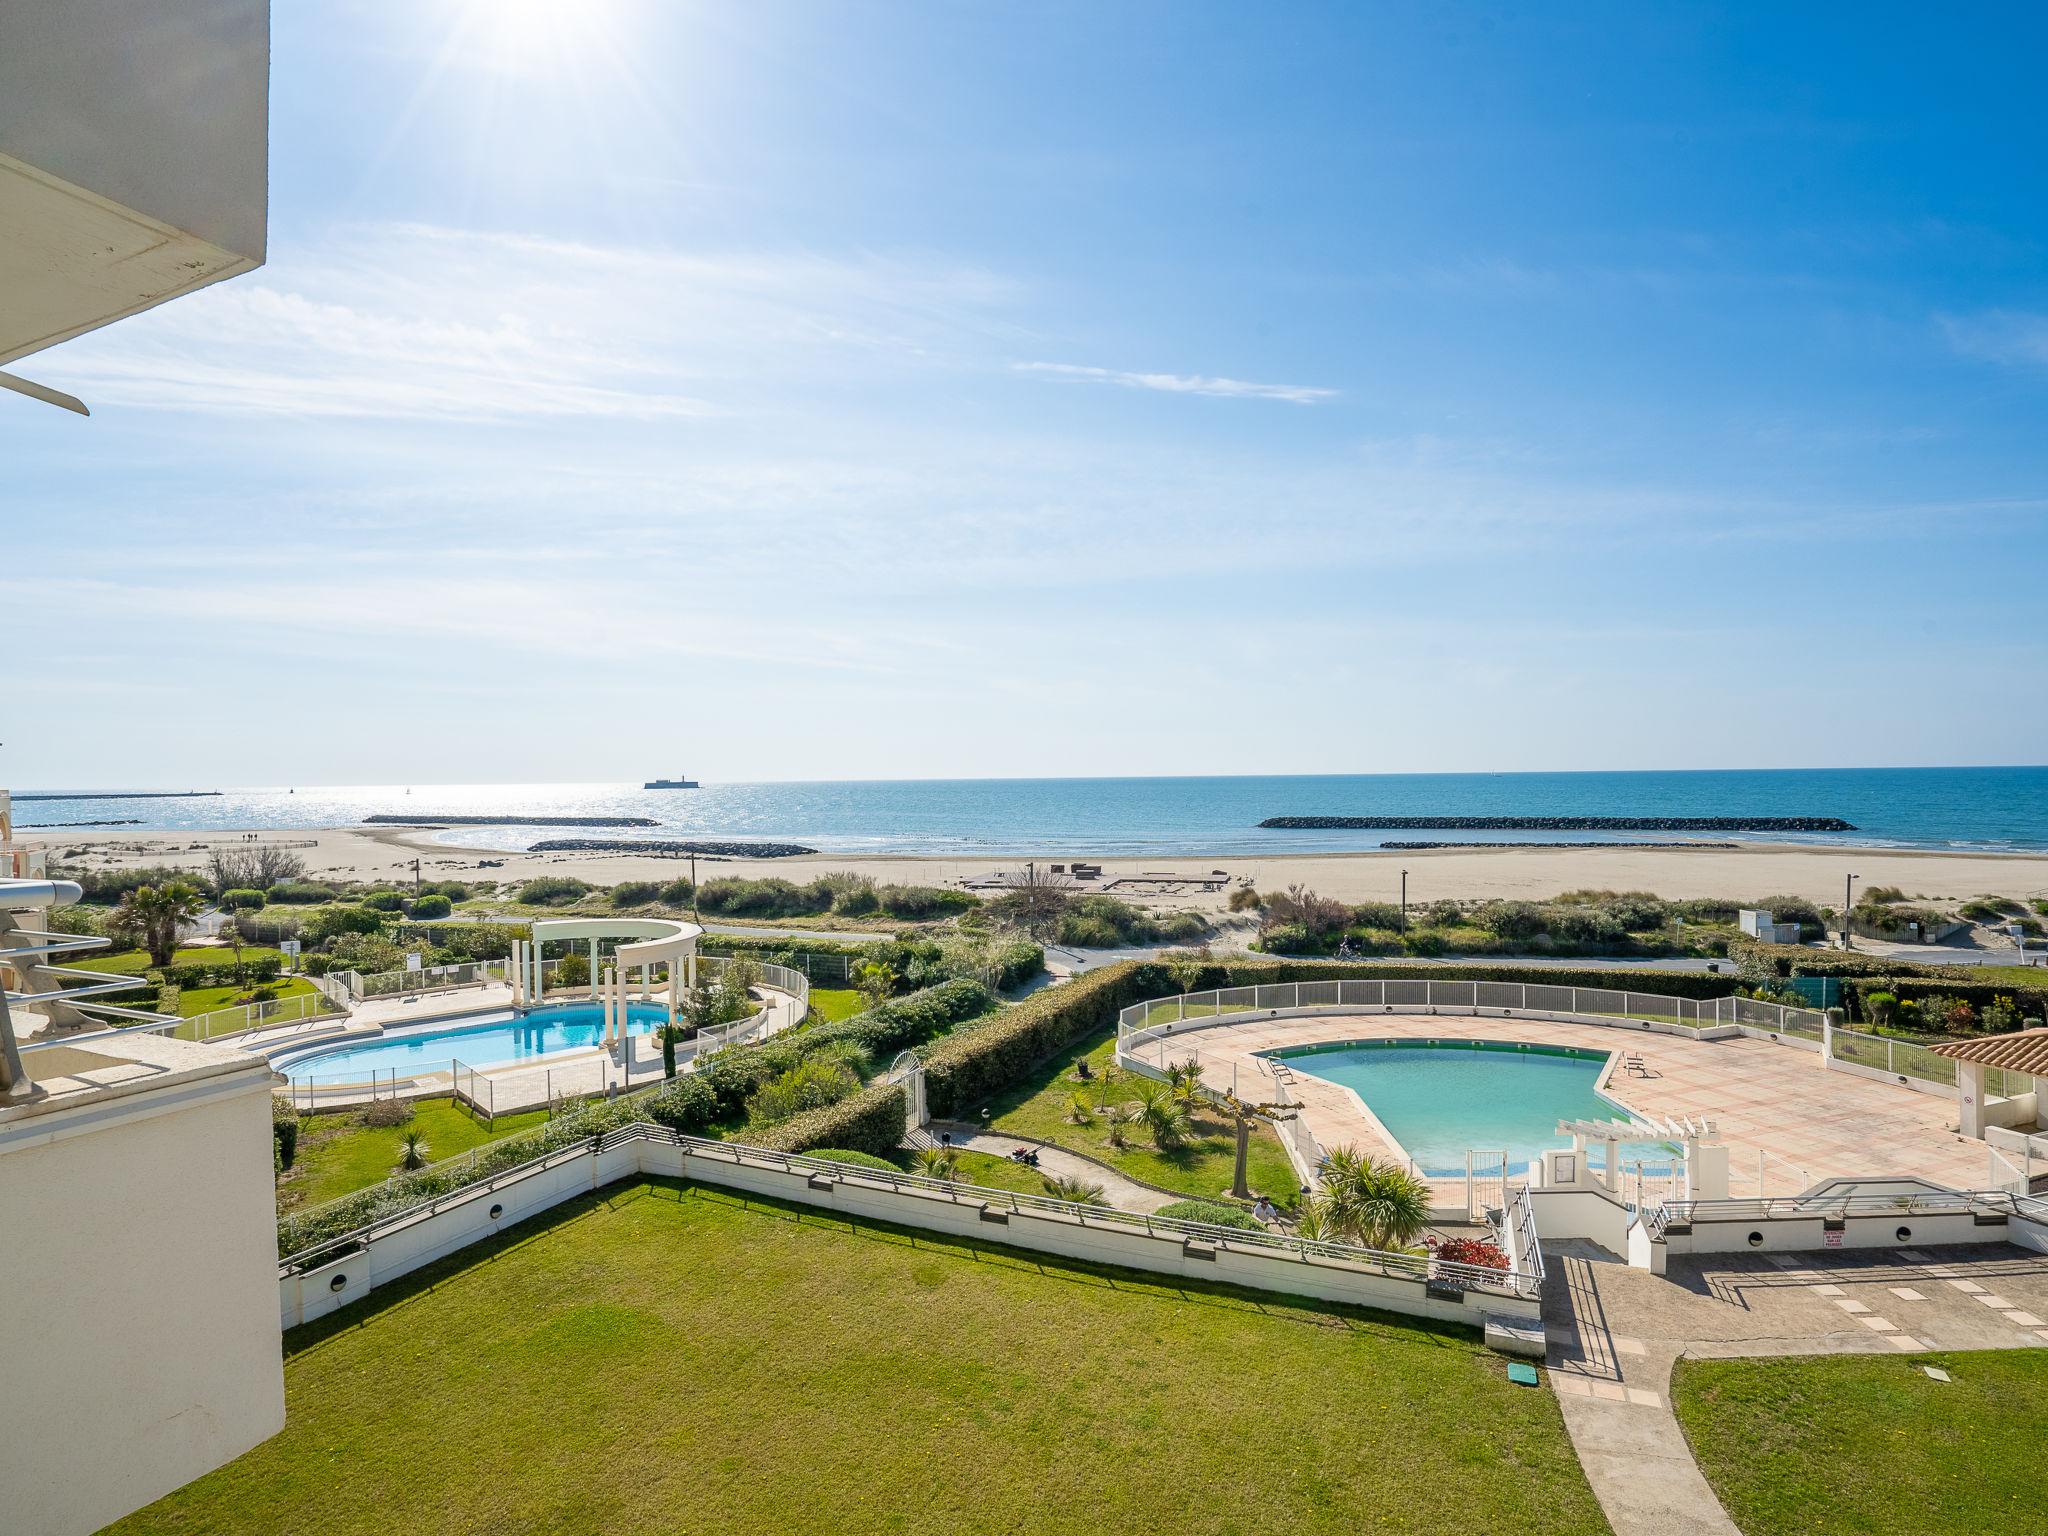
(1840,1207)
(432,978)
(1158,1017)
(1520,1282)
(220,1023)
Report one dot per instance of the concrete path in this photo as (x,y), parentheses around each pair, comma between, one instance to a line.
(1616,1333)
(1123,1193)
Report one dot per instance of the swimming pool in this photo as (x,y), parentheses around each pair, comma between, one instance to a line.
(1440,1098)
(482,1042)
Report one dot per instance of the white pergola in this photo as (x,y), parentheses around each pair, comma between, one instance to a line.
(642,942)
(1706,1176)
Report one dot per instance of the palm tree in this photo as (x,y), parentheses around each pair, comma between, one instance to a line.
(1372,1201)
(1166,1122)
(1073,1191)
(1184,1082)
(937,1163)
(1079,1110)
(1116,1117)
(150,915)
(876,981)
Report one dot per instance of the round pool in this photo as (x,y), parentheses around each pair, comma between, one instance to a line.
(489,1040)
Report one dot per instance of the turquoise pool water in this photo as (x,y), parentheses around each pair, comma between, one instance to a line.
(1439,1100)
(482,1042)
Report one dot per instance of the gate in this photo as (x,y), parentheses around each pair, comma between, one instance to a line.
(907,1072)
(1486,1183)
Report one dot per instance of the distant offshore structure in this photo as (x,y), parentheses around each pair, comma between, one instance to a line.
(1564,823)
(670,784)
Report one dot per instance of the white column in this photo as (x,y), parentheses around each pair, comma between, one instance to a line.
(1612,1172)
(1970,1090)
(675,972)
(593,968)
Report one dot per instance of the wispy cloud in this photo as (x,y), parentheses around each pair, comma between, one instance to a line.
(2001,335)
(1182,383)
(406,321)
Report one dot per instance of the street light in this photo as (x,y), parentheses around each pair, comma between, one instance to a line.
(1847,901)
(1404,898)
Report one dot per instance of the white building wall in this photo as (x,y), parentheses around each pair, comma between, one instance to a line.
(139,1343)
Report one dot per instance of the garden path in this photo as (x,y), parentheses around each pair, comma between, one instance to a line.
(1125,1194)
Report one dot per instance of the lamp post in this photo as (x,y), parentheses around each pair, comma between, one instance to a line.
(1848,881)
(1404,898)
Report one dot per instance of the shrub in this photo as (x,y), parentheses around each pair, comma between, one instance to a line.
(332,922)
(688,1104)
(1321,917)
(869,1121)
(552,891)
(811,1084)
(1884,893)
(1378,914)
(921,903)
(284,1132)
(431,906)
(1245,899)
(1213,1212)
(1511,919)
(904,1022)
(300,893)
(677,893)
(636,893)
(386,1113)
(1476,1251)
(573,971)
(242,901)
(454,890)
(384,901)
(853,1158)
(970,1065)
(761,898)
(1880,1008)
(479,941)
(2001,1016)
(1444,914)
(1423,941)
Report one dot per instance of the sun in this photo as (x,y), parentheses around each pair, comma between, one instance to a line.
(537,37)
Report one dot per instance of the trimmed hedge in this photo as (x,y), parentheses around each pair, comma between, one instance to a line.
(1214,1212)
(869,1121)
(853,1159)
(224,972)
(903,1022)
(1863,975)
(432,905)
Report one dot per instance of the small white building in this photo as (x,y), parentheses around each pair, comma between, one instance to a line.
(1765,926)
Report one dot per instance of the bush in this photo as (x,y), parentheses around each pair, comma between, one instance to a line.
(1322,918)
(1103,922)
(242,901)
(922,903)
(300,893)
(284,1132)
(332,922)
(1511,919)
(636,893)
(760,898)
(384,901)
(479,941)
(677,893)
(687,1105)
(387,1113)
(1469,1250)
(1213,1212)
(572,971)
(552,891)
(1378,914)
(856,1159)
(813,1083)
(431,906)
(1884,893)
(904,1022)
(1990,909)
(1245,899)
(105,887)
(870,1121)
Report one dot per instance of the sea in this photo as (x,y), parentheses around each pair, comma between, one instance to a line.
(1970,809)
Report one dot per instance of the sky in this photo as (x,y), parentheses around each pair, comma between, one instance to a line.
(818,391)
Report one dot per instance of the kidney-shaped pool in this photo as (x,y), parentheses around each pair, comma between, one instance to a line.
(487,1041)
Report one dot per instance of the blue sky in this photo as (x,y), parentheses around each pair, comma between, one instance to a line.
(808,391)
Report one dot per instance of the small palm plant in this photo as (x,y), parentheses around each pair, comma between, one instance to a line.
(1184,1082)
(1079,1110)
(1116,1117)
(1313,1224)
(1073,1191)
(1374,1201)
(415,1151)
(1164,1118)
(937,1163)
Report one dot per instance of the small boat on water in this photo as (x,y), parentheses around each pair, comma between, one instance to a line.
(670,784)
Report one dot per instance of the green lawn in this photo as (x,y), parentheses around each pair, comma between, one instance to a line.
(830,1003)
(666,1358)
(193,1000)
(1868,1443)
(1037,1108)
(133,962)
(338,1154)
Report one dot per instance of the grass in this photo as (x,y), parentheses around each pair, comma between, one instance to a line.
(984,1169)
(339,1155)
(1037,1108)
(193,1000)
(666,1358)
(830,1003)
(133,962)
(1868,1443)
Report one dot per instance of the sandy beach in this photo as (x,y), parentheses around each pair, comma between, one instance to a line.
(357,853)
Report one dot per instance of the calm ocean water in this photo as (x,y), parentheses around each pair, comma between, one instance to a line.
(1962,808)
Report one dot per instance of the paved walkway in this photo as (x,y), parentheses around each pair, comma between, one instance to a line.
(1125,1194)
(1616,1332)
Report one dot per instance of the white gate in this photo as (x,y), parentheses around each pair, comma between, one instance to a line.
(1486,1183)
(907,1072)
